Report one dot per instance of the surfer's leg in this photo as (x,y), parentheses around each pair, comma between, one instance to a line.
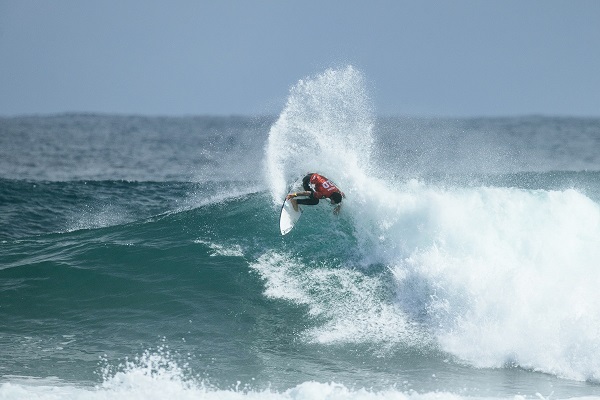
(311,201)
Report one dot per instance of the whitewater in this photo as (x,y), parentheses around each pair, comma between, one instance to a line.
(141,256)
(496,275)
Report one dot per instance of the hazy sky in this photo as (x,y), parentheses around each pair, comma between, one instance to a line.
(449,58)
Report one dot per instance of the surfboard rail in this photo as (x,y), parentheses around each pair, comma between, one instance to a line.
(288,217)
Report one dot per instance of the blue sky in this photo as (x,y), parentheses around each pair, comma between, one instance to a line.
(444,58)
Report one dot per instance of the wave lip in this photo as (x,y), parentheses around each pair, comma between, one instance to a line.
(327,118)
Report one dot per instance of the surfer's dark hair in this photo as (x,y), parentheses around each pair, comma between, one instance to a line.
(336,198)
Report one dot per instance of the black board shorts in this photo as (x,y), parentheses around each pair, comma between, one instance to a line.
(311,201)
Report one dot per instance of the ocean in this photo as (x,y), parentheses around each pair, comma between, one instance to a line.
(140,256)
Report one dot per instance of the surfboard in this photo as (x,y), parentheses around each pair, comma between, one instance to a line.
(288,217)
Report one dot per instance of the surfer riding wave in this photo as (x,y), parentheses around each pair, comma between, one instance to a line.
(317,187)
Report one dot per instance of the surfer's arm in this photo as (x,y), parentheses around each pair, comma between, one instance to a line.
(337,209)
(292,195)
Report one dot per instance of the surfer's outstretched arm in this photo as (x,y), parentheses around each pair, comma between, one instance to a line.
(292,195)
(291,198)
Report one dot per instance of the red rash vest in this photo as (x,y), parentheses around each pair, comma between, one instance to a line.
(322,186)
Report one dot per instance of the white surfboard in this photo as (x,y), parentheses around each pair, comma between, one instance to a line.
(288,217)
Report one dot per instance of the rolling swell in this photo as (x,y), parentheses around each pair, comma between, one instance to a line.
(105,285)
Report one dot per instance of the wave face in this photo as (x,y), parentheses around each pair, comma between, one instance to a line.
(148,263)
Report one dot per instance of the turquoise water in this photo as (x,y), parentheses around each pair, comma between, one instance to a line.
(141,258)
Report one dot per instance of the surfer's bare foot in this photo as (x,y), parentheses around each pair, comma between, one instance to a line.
(294,204)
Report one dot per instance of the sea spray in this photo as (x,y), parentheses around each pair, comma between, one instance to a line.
(496,275)
(326,127)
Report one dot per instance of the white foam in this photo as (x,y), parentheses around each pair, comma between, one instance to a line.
(498,275)
(155,375)
(495,275)
(143,388)
(157,378)
(514,274)
(352,304)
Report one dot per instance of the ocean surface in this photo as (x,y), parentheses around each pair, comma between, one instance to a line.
(140,257)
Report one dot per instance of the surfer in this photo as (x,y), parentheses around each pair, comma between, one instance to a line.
(317,187)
